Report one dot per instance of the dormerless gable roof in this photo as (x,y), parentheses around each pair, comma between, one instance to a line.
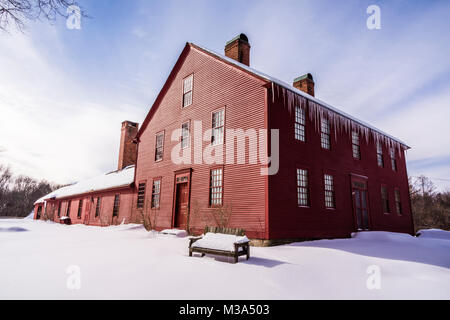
(262,76)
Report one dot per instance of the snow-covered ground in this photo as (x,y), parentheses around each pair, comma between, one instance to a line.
(44,260)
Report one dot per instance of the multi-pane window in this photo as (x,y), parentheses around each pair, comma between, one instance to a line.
(69,204)
(216,187)
(355,145)
(185,135)
(380,160)
(398,203)
(80,208)
(302,188)
(187,91)
(59,209)
(385,200)
(159,146)
(97,206)
(116,205)
(299,123)
(217,127)
(329,191)
(156,193)
(325,134)
(393,160)
(141,195)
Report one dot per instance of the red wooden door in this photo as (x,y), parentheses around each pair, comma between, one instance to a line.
(181,206)
(360,208)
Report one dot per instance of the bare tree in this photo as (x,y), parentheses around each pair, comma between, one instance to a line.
(197,213)
(18,194)
(430,209)
(149,216)
(17,12)
(5,180)
(221,215)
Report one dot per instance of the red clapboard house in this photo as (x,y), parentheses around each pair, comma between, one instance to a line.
(224,144)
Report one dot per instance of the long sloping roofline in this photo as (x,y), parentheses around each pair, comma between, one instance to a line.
(112,180)
(283,84)
(260,75)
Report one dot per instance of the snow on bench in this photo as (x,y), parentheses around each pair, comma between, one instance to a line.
(231,245)
(65,220)
(175,232)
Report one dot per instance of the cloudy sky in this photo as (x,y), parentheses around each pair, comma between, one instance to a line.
(64,93)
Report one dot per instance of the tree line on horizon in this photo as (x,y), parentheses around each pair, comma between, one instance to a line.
(18,193)
(431,209)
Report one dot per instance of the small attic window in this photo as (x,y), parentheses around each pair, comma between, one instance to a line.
(187,90)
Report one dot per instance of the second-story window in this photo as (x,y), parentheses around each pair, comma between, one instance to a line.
(299,123)
(393,160)
(185,135)
(380,160)
(329,191)
(159,146)
(355,145)
(187,90)
(325,134)
(141,195)
(217,127)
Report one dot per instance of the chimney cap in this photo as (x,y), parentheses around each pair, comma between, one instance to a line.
(305,76)
(130,123)
(241,36)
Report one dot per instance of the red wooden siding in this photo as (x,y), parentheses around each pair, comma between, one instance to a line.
(127,196)
(216,85)
(287,220)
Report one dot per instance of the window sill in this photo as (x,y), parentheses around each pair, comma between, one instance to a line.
(218,144)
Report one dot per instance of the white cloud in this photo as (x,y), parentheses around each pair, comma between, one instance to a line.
(48,127)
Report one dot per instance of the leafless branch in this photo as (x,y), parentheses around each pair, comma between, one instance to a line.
(17,12)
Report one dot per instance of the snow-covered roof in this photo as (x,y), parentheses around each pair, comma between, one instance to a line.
(297,91)
(115,179)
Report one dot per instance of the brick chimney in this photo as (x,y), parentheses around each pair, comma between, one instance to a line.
(305,83)
(128,149)
(238,49)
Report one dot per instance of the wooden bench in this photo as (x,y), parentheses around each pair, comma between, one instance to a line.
(240,249)
(65,220)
